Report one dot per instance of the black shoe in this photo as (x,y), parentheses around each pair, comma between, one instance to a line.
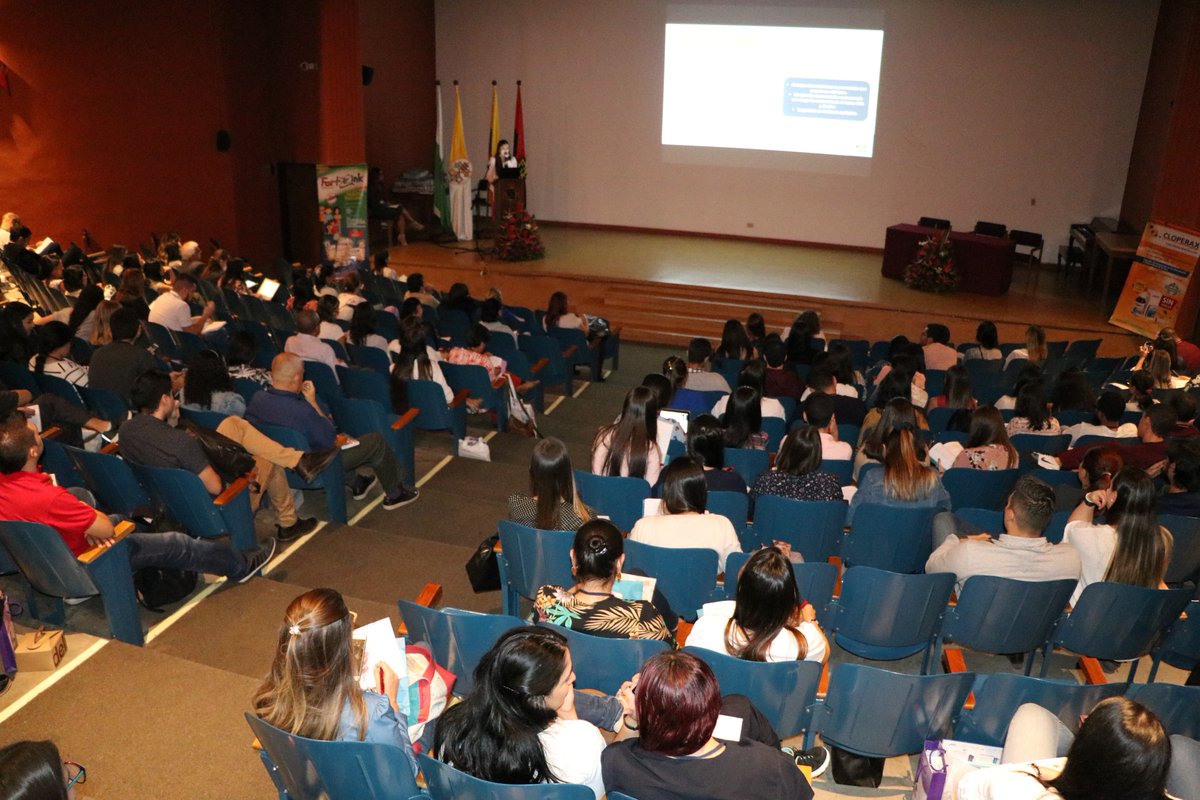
(400,497)
(817,759)
(259,560)
(363,484)
(296,529)
(311,465)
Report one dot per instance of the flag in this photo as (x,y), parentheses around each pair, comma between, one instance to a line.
(441,194)
(494,133)
(460,177)
(518,148)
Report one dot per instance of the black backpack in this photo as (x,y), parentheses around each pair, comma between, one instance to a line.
(157,587)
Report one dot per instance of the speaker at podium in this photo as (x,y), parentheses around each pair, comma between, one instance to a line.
(508,197)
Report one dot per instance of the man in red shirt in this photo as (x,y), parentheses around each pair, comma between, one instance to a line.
(31,496)
(1153,429)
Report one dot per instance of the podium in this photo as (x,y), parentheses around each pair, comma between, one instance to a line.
(509,196)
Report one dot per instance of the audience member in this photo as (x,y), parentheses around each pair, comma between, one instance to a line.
(475,354)
(988,446)
(668,429)
(796,474)
(305,344)
(16,325)
(1130,546)
(699,378)
(706,444)
(362,329)
(553,502)
(905,479)
(780,380)
(243,350)
(32,770)
(1072,392)
(8,223)
(819,413)
(628,446)
(1095,472)
(207,386)
(416,360)
(313,690)
(417,288)
(1183,476)
(328,307)
(683,520)
(131,293)
(1187,354)
(935,341)
(849,409)
(590,605)
(1022,552)
(756,330)
(489,317)
(742,420)
(735,343)
(32,496)
(1032,413)
(1034,350)
(54,355)
(1153,428)
(115,365)
(172,310)
(348,297)
(753,375)
(987,343)
(956,392)
(801,338)
(767,621)
(292,402)
(1109,408)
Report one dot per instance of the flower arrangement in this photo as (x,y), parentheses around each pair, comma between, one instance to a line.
(518,239)
(933,268)
(459,171)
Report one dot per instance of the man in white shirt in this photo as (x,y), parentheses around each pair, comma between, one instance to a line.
(8,222)
(1109,408)
(304,342)
(818,412)
(935,342)
(699,379)
(171,309)
(1021,552)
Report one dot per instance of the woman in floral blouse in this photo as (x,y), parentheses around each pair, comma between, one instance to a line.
(590,606)
(988,446)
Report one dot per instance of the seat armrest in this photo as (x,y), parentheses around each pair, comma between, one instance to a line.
(570,351)
(121,530)
(111,448)
(429,597)
(539,366)
(459,398)
(408,417)
(52,433)
(231,491)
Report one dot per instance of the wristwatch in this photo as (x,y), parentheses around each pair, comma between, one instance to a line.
(1087,501)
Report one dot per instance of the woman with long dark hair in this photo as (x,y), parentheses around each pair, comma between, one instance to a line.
(735,343)
(628,447)
(1072,392)
(675,370)
(590,605)
(956,392)
(362,329)
(756,329)
(415,362)
(987,343)
(801,348)
(683,519)
(905,480)
(988,446)
(796,474)
(1130,546)
(706,444)
(80,318)
(131,293)
(767,621)
(31,770)
(1032,413)
(312,689)
(16,325)
(54,355)
(742,420)
(553,503)
(207,386)
(519,723)
(753,375)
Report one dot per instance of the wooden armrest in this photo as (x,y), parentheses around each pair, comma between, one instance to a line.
(111,448)
(256,744)
(408,417)
(496,384)
(52,432)
(837,562)
(231,491)
(122,530)
(1093,673)
(429,597)
(460,397)
(570,351)
(952,659)
(539,366)
(823,684)
(682,631)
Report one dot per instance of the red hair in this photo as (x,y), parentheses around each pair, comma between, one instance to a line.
(678,700)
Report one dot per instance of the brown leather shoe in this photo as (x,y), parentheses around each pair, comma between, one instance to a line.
(311,465)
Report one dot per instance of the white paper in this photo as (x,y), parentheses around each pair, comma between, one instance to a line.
(213,325)
(945,453)
(268,289)
(728,728)
(848,493)
(380,646)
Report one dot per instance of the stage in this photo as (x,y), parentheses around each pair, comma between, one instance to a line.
(666,288)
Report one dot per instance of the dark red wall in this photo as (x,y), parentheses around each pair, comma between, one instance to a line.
(115,107)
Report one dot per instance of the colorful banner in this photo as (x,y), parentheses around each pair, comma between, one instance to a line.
(342,198)
(1158,279)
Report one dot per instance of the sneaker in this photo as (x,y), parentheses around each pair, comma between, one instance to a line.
(817,759)
(256,562)
(400,497)
(296,529)
(363,484)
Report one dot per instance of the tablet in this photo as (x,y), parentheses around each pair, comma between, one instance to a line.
(677,416)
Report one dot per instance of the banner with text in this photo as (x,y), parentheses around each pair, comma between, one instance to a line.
(342,198)
(1158,279)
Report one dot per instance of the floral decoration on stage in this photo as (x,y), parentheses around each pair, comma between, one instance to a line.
(460,171)
(933,269)
(518,240)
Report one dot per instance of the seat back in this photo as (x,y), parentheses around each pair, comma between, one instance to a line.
(991,228)
(45,561)
(556,372)
(775,429)
(530,559)
(840,467)
(734,506)
(889,537)
(454,325)
(1178,707)
(331,480)
(687,576)
(877,713)
(368,384)
(312,768)
(1118,622)
(939,418)
(182,497)
(371,358)
(428,397)
(444,782)
(18,376)
(620,499)
(1041,443)
(478,382)
(105,403)
(604,663)
(978,488)
(747,462)
(812,528)
(886,615)
(1002,615)
(785,691)
(206,419)
(52,384)
(1185,549)
(324,380)
(1055,477)
(982,518)
(573,337)
(457,639)
(815,581)
(1181,647)
(997,698)
(112,481)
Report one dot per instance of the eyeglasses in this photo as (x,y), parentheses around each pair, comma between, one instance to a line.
(76,773)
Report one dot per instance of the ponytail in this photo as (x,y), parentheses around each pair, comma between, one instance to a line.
(905,477)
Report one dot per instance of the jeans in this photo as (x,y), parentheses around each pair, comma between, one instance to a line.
(180,551)
(372,449)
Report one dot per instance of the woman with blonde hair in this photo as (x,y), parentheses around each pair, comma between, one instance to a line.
(1034,350)
(313,687)
(905,480)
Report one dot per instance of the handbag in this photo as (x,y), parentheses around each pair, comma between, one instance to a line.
(521,418)
(930,781)
(483,567)
(851,769)
(228,458)
(474,447)
(429,688)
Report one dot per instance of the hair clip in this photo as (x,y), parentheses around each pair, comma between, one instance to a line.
(294,630)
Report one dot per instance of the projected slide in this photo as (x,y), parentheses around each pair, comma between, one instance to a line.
(796,90)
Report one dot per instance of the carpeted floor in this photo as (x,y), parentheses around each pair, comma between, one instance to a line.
(166,720)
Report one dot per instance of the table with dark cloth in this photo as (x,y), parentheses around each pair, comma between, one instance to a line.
(984,263)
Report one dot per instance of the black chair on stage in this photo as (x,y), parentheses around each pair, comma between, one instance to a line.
(934,222)
(991,229)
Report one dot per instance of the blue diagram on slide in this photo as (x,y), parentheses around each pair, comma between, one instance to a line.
(817,98)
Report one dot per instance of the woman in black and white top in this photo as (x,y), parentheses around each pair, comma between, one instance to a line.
(553,504)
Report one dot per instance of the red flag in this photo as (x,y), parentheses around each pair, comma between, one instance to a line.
(519,134)
(4,84)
